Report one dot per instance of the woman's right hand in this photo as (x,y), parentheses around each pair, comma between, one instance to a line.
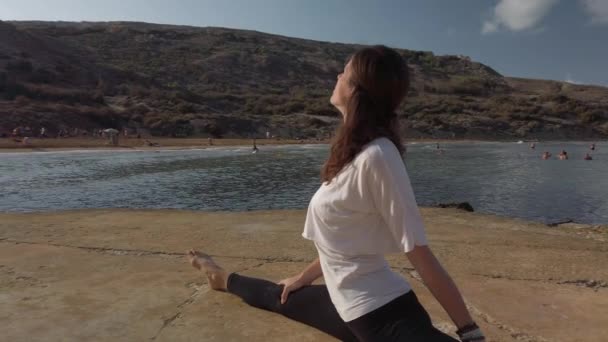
(291,284)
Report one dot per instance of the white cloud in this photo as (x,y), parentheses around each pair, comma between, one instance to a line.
(518,15)
(597,9)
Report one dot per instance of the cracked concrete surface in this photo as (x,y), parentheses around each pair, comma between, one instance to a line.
(120,275)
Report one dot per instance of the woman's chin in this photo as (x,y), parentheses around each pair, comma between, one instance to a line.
(334,103)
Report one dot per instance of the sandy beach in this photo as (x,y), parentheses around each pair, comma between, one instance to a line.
(121,275)
(52,144)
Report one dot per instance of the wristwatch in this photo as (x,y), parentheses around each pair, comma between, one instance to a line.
(470,333)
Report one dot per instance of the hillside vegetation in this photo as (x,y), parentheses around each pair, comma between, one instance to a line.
(191,81)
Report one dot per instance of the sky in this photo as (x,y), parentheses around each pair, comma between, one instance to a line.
(564,40)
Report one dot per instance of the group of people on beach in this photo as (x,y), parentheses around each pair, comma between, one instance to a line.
(24,135)
(29,132)
(563,155)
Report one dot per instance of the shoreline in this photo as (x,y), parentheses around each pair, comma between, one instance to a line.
(568,224)
(134,144)
(7,145)
(513,275)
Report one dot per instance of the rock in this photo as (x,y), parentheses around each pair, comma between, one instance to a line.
(466,206)
(557,223)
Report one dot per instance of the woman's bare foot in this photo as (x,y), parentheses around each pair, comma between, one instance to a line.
(217,276)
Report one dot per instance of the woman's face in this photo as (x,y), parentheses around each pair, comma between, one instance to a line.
(343,90)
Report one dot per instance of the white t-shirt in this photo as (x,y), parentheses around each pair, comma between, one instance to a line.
(368,210)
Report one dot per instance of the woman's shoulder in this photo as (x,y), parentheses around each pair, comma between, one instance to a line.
(379,148)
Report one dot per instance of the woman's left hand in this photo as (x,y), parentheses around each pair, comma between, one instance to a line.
(290,284)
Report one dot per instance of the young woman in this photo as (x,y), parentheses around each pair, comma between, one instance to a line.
(364,209)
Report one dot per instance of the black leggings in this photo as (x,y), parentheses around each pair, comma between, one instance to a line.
(402,319)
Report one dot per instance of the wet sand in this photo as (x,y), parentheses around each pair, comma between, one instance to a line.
(121,275)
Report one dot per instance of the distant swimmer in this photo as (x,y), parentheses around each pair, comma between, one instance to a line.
(588,157)
(532,145)
(592,147)
(563,155)
(255,147)
(437,146)
(546,155)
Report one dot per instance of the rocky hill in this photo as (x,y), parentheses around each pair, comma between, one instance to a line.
(182,81)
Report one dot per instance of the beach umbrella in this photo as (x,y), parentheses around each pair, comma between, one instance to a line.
(112,134)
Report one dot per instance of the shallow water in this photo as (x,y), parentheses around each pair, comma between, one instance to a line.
(500,178)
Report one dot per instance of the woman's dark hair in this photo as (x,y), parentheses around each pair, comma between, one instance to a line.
(380,81)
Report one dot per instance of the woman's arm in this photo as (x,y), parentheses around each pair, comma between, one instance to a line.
(441,285)
(392,195)
(311,273)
